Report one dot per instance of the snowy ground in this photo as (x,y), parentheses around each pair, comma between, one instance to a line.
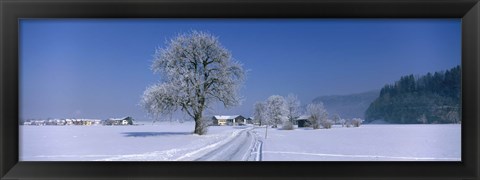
(159,142)
(366,143)
(174,141)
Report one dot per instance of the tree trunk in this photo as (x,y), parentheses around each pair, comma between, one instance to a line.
(199,127)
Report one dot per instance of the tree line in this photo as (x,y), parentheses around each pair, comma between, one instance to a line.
(431,98)
(278,110)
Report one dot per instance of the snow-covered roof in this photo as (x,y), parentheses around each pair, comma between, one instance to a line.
(303,117)
(226,117)
(118,119)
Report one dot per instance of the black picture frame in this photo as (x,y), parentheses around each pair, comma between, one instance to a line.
(11,11)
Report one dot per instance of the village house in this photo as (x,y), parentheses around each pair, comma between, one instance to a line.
(58,122)
(228,120)
(39,122)
(87,123)
(62,122)
(68,122)
(97,122)
(119,121)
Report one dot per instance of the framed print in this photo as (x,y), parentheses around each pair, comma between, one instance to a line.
(251,89)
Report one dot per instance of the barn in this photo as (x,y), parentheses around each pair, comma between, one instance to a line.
(302,121)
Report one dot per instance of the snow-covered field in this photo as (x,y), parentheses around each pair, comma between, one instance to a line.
(159,142)
(174,141)
(365,143)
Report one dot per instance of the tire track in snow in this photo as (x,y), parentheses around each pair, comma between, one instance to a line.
(238,149)
(240,145)
(205,149)
(176,154)
(256,151)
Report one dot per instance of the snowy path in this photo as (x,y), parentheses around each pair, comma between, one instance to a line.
(241,144)
(162,142)
(244,147)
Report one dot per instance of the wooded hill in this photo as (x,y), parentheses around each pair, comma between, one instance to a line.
(432,98)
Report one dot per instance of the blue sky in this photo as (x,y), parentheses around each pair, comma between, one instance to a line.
(85,68)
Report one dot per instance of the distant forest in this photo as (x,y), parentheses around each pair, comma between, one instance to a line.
(432,98)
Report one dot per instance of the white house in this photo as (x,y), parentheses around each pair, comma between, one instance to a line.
(119,121)
(221,120)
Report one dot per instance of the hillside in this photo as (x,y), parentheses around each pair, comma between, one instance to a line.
(431,98)
(348,106)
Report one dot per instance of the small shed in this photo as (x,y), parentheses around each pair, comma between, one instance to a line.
(302,121)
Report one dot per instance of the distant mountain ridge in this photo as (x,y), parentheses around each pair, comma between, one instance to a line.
(348,106)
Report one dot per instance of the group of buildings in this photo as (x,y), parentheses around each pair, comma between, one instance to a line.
(81,122)
(218,120)
(239,120)
(231,120)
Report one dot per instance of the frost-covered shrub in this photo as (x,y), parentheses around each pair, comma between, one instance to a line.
(287,125)
(343,122)
(348,123)
(327,124)
(317,113)
(356,122)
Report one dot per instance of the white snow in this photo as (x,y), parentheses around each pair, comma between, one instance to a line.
(159,142)
(365,143)
(175,142)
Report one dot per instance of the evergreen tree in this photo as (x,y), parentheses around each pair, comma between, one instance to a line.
(433,98)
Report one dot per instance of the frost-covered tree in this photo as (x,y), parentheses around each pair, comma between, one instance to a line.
(343,122)
(453,116)
(196,71)
(317,113)
(336,118)
(276,110)
(259,112)
(293,107)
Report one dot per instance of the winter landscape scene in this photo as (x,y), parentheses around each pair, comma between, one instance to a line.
(240,90)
